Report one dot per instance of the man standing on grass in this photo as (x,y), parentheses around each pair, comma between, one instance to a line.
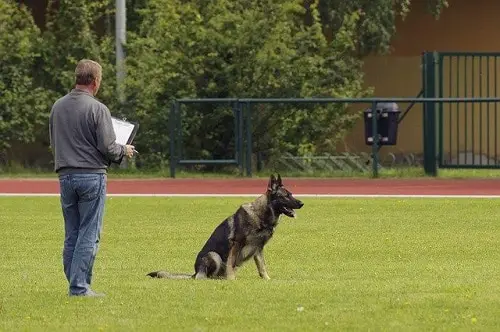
(83,143)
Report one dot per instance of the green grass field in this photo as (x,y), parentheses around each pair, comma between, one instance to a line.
(343,264)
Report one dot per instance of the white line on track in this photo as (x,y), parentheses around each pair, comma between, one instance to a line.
(255,195)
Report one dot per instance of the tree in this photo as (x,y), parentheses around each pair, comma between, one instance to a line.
(224,49)
(203,49)
(22,102)
(70,36)
(37,68)
(376,25)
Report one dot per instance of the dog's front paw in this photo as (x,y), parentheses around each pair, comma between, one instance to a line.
(231,277)
(266,277)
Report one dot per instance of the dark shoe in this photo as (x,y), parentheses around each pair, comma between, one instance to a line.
(89,293)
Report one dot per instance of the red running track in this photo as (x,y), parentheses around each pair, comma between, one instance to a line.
(257,186)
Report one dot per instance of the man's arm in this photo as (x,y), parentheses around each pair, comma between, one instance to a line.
(50,134)
(106,137)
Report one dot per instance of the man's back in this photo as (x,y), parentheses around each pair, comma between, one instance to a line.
(81,134)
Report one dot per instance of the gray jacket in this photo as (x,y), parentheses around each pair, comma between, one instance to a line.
(81,135)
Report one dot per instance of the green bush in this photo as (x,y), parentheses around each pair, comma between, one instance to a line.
(226,49)
(201,49)
(22,101)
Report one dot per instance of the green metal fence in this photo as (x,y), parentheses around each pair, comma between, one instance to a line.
(467,132)
(177,154)
(243,125)
(460,115)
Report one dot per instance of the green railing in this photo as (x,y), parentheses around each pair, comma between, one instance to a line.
(175,128)
(243,126)
(468,132)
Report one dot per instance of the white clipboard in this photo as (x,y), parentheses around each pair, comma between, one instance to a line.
(125,131)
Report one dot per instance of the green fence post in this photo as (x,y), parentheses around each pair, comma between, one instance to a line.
(375,141)
(440,122)
(429,117)
(234,106)
(249,140)
(172,131)
(239,138)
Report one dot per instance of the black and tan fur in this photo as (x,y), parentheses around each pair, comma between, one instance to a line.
(242,236)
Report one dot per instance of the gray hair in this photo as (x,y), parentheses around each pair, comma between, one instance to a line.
(87,71)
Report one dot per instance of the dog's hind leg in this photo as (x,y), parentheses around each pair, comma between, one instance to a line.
(210,267)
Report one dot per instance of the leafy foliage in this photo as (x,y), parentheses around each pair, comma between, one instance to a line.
(202,49)
(21,100)
(376,25)
(37,68)
(227,49)
(70,36)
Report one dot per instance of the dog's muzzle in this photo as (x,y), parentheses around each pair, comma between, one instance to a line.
(290,212)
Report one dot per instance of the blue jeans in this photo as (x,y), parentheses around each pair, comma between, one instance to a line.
(82,202)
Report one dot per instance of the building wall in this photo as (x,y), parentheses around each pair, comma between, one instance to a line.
(468,26)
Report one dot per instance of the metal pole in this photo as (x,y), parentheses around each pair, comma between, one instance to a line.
(375,143)
(241,130)
(249,140)
(120,40)
(172,122)
(429,118)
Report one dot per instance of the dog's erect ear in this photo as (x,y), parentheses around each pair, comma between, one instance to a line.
(273,184)
(279,180)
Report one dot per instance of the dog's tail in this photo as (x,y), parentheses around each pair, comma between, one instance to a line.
(168,275)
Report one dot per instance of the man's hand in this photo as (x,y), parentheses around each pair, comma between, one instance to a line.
(129,150)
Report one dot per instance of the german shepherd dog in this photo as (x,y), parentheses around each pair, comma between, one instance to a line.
(242,236)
